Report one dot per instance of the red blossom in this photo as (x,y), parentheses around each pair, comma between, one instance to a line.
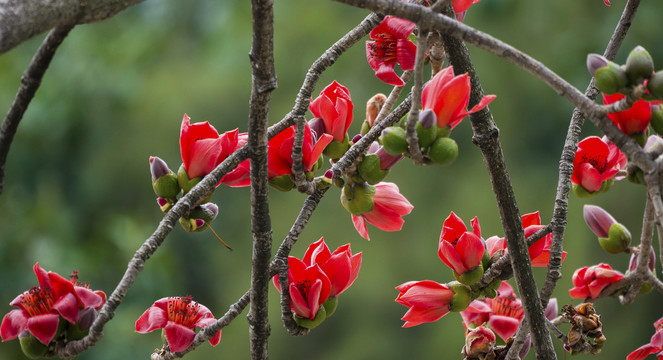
(589,281)
(428,301)
(389,45)
(309,287)
(389,208)
(503,313)
(460,249)
(655,344)
(341,267)
(178,316)
(596,162)
(633,120)
(448,96)
(334,106)
(202,147)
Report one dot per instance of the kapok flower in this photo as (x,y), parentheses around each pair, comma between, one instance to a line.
(633,120)
(40,308)
(503,313)
(178,316)
(334,106)
(341,267)
(388,209)
(202,147)
(595,163)
(655,344)
(589,281)
(448,96)
(428,301)
(460,249)
(389,45)
(309,287)
(478,341)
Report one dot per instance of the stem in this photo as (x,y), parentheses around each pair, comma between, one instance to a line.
(411,128)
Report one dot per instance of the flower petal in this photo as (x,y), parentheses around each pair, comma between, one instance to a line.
(360,226)
(152,319)
(44,327)
(504,326)
(179,337)
(13,323)
(67,306)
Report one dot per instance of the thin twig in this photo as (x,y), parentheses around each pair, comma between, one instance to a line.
(411,128)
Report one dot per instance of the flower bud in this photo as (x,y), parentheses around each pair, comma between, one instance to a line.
(369,169)
(594,62)
(656,121)
(164,182)
(317,125)
(357,198)
(31,346)
(282,183)
(158,168)
(655,85)
(639,65)
(310,324)
(633,263)
(443,151)
(206,212)
(462,297)
(394,140)
(426,128)
(598,220)
(479,342)
(335,149)
(192,225)
(610,78)
(618,239)
(373,107)
(330,305)
(164,204)
(471,276)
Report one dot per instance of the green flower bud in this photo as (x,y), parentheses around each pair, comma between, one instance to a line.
(183,180)
(166,186)
(369,169)
(618,239)
(443,151)
(394,140)
(336,149)
(192,225)
(639,65)
(308,323)
(357,198)
(426,128)
(206,212)
(330,305)
(282,183)
(655,85)
(365,128)
(610,78)
(31,346)
(656,121)
(471,276)
(462,298)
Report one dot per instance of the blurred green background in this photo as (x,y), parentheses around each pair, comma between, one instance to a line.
(78,195)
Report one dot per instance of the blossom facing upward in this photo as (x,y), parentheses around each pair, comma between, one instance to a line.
(459,249)
(389,45)
(655,344)
(448,96)
(309,287)
(341,266)
(428,301)
(178,316)
(589,281)
(334,106)
(388,210)
(632,120)
(503,313)
(40,308)
(595,163)
(202,148)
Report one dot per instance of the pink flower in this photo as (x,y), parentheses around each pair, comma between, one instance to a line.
(178,317)
(448,96)
(589,281)
(309,287)
(389,45)
(479,341)
(202,147)
(655,344)
(389,208)
(40,308)
(341,267)
(428,301)
(596,162)
(633,120)
(503,313)
(460,249)
(334,106)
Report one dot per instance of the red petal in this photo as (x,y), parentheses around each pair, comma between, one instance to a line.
(398,27)
(338,269)
(476,228)
(426,294)
(13,323)
(240,176)
(470,248)
(298,303)
(42,276)
(190,133)
(315,298)
(385,72)
(531,219)
(179,337)
(504,326)
(360,226)
(642,352)
(461,5)
(214,340)
(317,253)
(450,257)
(60,285)
(89,298)
(67,306)
(581,292)
(417,315)
(384,218)
(152,319)
(452,101)
(406,53)
(311,158)
(452,228)
(432,89)
(44,327)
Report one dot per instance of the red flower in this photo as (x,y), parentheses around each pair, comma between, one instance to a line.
(503,313)
(202,147)
(595,163)
(178,317)
(40,308)
(309,287)
(341,267)
(607,2)
(334,106)
(655,344)
(448,96)
(428,301)
(479,341)
(589,281)
(633,120)
(389,45)
(389,208)
(460,249)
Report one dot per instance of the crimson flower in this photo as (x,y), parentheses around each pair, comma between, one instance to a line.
(503,313)
(389,45)
(428,301)
(178,316)
(596,162)
(448,96)
(309,287)
(460,249)
(633,120)
(40,308)
(202,147)
(388,209)
(334,106)
(341,267)
(589,281)
(655,344)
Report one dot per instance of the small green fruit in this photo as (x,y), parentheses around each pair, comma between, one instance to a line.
(426,136)
(639,65)
(443,151)
(655,85)
(166,186)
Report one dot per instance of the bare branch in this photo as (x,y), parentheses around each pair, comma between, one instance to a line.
(410,129)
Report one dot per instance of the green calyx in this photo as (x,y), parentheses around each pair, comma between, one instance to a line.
(618,239)
(330,305)
(462,297)
(282,183)
(336,149)
(369,169)
(426,136)
(656,121)
(471,276)
(357,198)
(444,151)
(310,324)
(639,65)
(610,78)
(394,140)
(32,347)
(655,85)
(166,186)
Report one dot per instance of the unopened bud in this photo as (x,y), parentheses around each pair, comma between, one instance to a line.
(310,324)
(426,128)
(633,263)
(618,239)
(462,296)
(598,220)
(443,151)
(192,225)
(164,182)
(31,346)
(610,78)
(639,65)
(655,85)
(387,161)
(369,169)
(357,198)
(158,167)
(206,212)
(394,140)
(282,183)
(479,342)
(317,125)
(164,204)
(595,61)
(373,107)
